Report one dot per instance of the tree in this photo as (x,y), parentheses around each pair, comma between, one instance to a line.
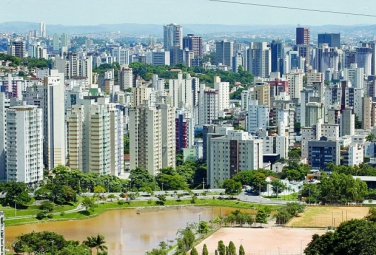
(232,187)
(205,250)
(203,227)
(231,248)
(38,241)
(47,206)
(71,249)
(185,240)
(141,178)
(96,242)
(88,203)
(16,193)
(258,181)
(371,215)
(162,199)
(245,177)
(370,137)
(99,189)
(261,216)
(351,237)
(221,248)
(194,251)
(241,250)
(277,186)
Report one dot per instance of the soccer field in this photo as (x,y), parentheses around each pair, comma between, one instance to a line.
(324,216)
(260,241)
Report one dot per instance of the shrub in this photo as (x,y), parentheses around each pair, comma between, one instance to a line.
(50,215)
(41,215)
(121,202)
(62,213)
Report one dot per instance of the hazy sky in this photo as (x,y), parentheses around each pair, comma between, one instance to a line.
(93,12)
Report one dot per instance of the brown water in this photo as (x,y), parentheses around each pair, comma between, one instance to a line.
(125,231)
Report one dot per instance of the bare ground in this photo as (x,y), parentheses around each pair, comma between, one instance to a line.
(260,241)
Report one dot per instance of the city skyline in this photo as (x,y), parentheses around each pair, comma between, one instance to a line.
(167,11)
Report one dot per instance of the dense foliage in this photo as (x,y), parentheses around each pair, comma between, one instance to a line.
(351,237)
(52,243)
(146,72)
(284,214)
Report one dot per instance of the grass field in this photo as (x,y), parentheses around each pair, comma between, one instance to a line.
(102,207)
(322,216)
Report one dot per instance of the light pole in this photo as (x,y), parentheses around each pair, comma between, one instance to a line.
(199,220)
(52,250)
(162,186)
(15,208)
(301,247)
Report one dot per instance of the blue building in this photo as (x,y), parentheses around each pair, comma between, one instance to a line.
(322,152)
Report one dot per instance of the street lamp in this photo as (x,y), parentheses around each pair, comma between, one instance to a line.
(52,250)
(162,186)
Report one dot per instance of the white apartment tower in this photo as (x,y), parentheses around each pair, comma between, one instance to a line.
(173,36)
(24,147)
(125,77)
(223,93)
(295,79)
(42,30)
(208,105)
(232,153)
(181,91)
(54,152)
(152,136)
(95,137)
(258,117)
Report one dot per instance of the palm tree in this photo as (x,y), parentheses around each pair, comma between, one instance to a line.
(99,243)
(90,242)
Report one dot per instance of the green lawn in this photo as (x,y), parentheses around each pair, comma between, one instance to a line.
(102,207)
(290,197)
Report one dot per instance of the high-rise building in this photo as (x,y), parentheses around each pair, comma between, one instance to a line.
(277,57)
(54,152)
(295,80)
(181,92)
(332,39)
(363,58)
(4,103)
(173,36)
(56,42)
(64,40)
(95,137)
(232,153)
(42,30)
(259,60)
(258,117)
(302,36)
(208,105)
(24,147)
(224,51)
(122,55)
(322,152)
(193,43)
(184,127)
(223,93)
(125,77)
(152,136)
(160,58)
(17,49)
(347,122)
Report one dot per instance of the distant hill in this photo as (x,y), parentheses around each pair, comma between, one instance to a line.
(155,29)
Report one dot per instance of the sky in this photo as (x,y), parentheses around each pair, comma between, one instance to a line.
(94,12)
